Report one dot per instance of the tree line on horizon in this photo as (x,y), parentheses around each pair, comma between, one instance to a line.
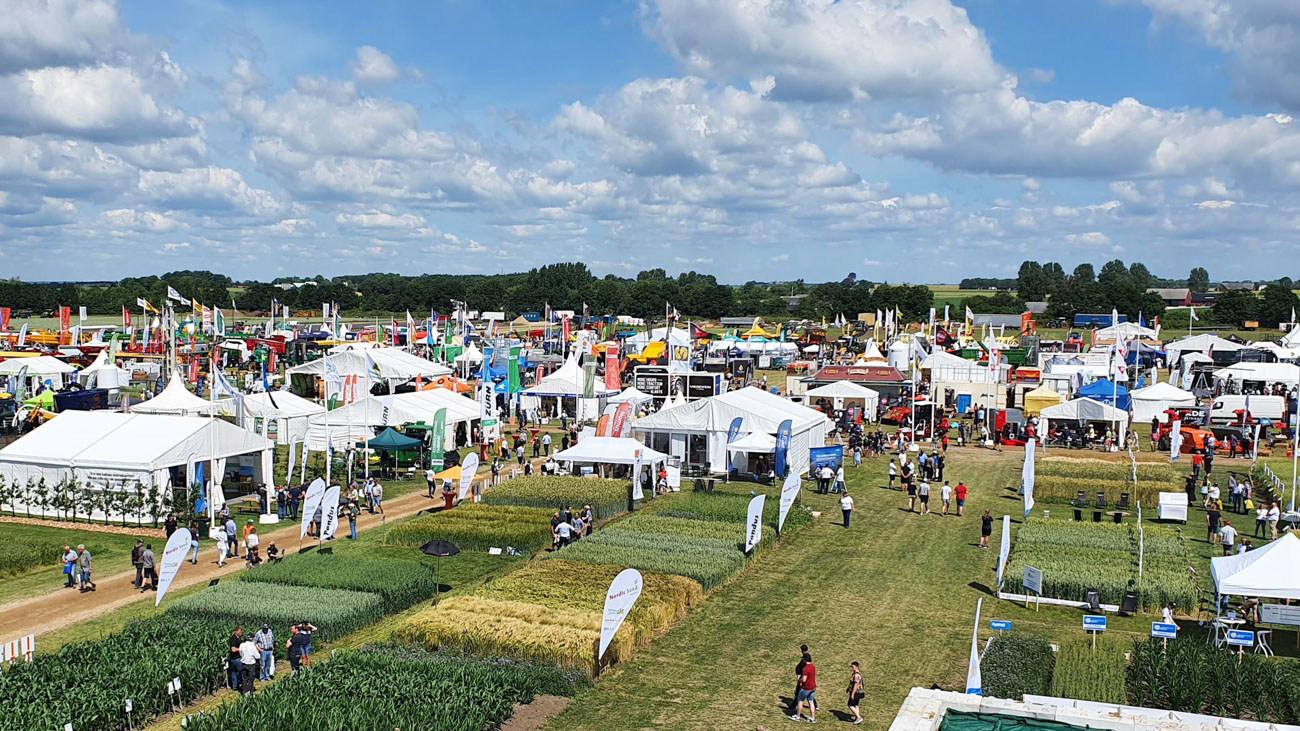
(570,286)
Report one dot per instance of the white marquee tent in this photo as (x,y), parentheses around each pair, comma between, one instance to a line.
(709,419)
(1084,409)
(39,369)
(1202,343)
(948,367)
(568,381)
(609,450)
(631,395)
(1153,400)
(1127,331)
(754,443)
(838,391)
(395,365)
(293,413)
(175,400)
(106,375)
(1268,571)
(1269,373)
(112,450)
(406,408)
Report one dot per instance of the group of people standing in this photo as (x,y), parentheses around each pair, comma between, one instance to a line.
(805,689)
(254,657)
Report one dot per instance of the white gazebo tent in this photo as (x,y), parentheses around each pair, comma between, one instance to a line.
(110,450)
(1268,571)
(175,400)
(841,391)
(406,408)
(568,381)
(1153,400)
(1084,410)
(609,450)
(1202,343)
(872,353)
(106,375)
(395,365)
(291,413)
(631,395)
(1266,373)
(40,369)
(705,424)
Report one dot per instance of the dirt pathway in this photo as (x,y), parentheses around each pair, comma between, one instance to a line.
(41,614)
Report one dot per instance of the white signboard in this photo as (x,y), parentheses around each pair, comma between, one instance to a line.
(467,470)
(622,595)
(754,522)
(1033,580)
(173,556)
(1280,614)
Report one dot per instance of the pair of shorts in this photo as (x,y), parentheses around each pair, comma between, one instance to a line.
(806,695)
(925,499)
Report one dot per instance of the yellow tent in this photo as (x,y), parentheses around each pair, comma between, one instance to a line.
(757,332)
(1040,398)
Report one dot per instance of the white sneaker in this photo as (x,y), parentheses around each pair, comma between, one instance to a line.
(794,717)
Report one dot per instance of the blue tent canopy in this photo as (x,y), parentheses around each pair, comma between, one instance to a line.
(1107,393)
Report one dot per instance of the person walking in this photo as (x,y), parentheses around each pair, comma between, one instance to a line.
(378,496)
(249,659)
(546,443)
(265,641)
(960,492)
(169,525)
(1212,517)
(232,543)
(856,692)
(353,512)
(148,561)
(70,567)
(194,541)
(846,507)
(1261,520)
(945,495)
(807,691)
(84,568)
(254,541)
(798,676)
(893,472)
(986,528)
(1227,537)
(223,547)
(840,486)
(429,480)
(923,492)
(136,551)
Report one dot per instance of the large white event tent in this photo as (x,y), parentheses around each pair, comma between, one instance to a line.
(1082,410)
(1268,571)
(1292,339)
(106,375)
(395,365)
(838,391)
(1203,343)
(1268,373)
(568,381)
(114,451)
(610,450)
(175,400)
(39,369)
(1127,331)
(707,421)
(405,408)
(1153,400)
(292,414)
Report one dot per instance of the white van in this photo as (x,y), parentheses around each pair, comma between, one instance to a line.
(1261,407)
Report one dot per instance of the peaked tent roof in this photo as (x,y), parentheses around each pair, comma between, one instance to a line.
(567,380)
(630,396)
(287,404)
(844,389)
(872,352)
(394,364)
(1202,343)
(609,450)
(390,440)
(1267,571)
(1292,339)
(1163,391)
(407,408)
(755,443)
(175,400)
(41,365)
(1267,372)
(1128,331)
(1084,409)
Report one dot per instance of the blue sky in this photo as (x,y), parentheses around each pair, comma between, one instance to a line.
(905,140)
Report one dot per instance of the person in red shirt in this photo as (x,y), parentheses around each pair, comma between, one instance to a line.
(960,490)
(807,691)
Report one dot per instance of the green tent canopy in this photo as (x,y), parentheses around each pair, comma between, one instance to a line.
(43,400)
(392,441)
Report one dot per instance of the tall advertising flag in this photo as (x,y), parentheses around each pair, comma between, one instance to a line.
(619,600)
(789,491)
(513,383)
(782,447)
(974,683)
(293,459)
(4,319)
(1005,550)
(330,515)
(467,469)
(733,431)
(126,318)
(65,319)
(613,382)
(315,494)
(589,379)
(754,522)
(173,556)
(1175,439)
(1027,476)
(439,438)
(621,421)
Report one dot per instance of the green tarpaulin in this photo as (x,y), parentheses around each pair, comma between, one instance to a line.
(967,721)
(391,441)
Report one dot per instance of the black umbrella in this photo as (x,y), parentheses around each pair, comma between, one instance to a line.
(438,549)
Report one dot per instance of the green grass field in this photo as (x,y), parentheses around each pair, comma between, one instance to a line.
(111,553)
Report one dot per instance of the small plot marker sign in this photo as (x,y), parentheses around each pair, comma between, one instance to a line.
(1095,624)
(1000,624)
(1164,630)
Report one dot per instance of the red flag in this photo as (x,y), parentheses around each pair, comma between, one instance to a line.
(65,319)
(612,379)
(4,319)
(565,330)
(126,317)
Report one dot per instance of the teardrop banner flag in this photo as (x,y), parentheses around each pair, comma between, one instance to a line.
(173,556)
(622,595)
(621,421)
(467,470)
(315,493)
(438,442)
(330,515)
(1027,476)
(754,522)
(782,447)
(789,491)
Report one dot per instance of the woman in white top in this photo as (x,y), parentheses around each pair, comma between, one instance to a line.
(223,547)
(846,507)
(1274,514)
(1167,615)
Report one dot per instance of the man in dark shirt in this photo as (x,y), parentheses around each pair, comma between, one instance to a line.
(295,494)
(170,525)
(139,566)
(233,645)
(297,644)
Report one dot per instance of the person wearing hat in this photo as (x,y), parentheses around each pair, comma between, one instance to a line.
(587,518)
(353,511)
(265,641)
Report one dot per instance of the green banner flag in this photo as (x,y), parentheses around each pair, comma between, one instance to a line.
(589,385)
(439,439)
(512,370)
